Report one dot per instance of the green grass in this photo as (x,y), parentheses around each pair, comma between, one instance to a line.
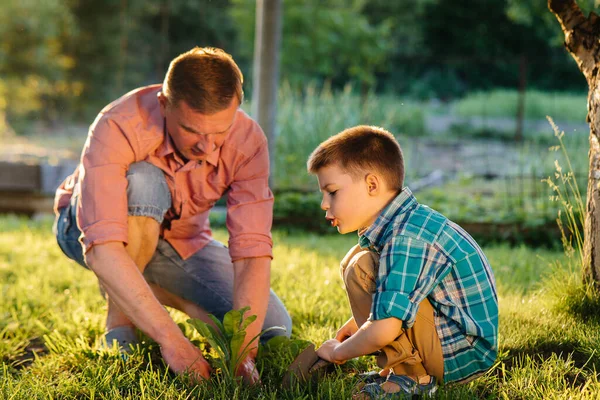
(52,318)
(503,103)
(306,119)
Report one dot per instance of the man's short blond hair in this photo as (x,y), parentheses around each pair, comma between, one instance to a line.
(361,150)
(206,78)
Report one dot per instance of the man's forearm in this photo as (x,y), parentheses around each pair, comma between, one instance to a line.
(252,282)
(128,289)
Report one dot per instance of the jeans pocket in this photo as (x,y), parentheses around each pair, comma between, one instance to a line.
(67,236)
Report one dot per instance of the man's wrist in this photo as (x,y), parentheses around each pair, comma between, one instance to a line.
(171,337)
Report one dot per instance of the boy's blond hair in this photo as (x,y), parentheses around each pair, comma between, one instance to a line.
(360,150)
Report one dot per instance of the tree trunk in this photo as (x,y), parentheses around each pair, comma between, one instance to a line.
(266,71)
(582,41)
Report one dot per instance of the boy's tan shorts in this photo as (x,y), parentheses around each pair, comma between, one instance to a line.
(417,351)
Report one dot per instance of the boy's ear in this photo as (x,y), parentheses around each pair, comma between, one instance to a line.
(373,184)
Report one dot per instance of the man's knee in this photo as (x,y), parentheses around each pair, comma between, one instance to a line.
(148,194)
(361,270)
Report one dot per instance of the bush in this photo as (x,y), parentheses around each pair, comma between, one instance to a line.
(292,211)
(300,211)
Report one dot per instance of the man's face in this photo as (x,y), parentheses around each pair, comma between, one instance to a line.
(196,135)
(347,203)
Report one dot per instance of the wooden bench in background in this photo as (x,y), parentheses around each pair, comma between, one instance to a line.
(28,188)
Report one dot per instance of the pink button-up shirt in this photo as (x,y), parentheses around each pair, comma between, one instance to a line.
(131,129)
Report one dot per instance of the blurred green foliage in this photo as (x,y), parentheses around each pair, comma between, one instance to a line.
(328,40)
(63,60)
(538,104)
(306,118)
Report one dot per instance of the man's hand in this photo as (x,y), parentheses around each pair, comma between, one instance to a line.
(184,357)
(248,371)
(347,330)
(327,351)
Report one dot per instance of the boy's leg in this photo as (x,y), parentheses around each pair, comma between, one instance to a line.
(417,351)
(359,269)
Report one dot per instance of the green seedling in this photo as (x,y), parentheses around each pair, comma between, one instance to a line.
(228,338)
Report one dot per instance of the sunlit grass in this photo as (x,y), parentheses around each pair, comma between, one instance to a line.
(52,318)
(503,103)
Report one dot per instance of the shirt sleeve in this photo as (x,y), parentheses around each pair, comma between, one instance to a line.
(250,208)
(409,270)
(102,206)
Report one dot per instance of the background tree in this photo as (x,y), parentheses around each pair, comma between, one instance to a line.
(322,40)
(34,59)
(582,40)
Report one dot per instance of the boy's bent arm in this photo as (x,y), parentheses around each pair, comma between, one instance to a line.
(372,336)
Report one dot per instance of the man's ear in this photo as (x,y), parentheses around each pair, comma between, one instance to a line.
(163,102)
(373,184)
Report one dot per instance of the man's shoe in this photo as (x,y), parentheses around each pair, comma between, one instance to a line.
(123,336)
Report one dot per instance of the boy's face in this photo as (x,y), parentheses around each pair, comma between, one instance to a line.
(348,203)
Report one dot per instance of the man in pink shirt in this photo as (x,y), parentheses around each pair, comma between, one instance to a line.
(136,209)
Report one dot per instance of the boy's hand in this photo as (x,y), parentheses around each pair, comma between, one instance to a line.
(347,330)
(327,351)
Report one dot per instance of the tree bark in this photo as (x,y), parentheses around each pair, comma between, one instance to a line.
(266,71)
(582,40)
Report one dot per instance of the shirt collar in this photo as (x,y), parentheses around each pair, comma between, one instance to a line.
(213,158)
(375,235)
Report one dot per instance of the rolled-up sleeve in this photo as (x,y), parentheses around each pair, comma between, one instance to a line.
(250,208)
(412,269)
(102,207)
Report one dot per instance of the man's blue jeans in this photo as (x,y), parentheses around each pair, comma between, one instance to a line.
(206,278)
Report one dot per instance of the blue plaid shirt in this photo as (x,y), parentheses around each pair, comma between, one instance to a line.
(422,255)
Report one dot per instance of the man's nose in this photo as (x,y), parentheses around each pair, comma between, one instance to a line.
(207,144)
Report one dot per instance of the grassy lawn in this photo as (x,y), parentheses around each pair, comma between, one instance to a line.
(538,104)
(52,319)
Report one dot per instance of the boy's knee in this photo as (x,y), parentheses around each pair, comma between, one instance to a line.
(348,257)
(361,270)
(148,194)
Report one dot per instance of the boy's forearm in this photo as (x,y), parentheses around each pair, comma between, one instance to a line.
(372,336)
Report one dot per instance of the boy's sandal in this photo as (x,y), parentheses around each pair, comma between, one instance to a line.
(367,378)
(408,388)
(371,377)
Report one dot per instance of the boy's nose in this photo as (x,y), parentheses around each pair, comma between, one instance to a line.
(324,205)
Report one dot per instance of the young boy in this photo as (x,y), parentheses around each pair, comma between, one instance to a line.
(421,291)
